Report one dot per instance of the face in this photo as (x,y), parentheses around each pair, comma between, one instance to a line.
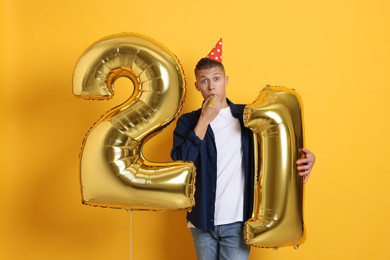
(212,81)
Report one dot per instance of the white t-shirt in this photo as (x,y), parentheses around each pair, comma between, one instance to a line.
(230,172)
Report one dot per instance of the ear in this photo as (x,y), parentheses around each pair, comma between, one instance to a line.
(196,86)
(226,80)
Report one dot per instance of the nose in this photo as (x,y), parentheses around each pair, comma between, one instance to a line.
(210,85)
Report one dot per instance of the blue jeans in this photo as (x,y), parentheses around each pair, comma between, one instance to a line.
(225,242)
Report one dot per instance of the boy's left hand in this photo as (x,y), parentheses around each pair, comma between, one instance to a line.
(305,164)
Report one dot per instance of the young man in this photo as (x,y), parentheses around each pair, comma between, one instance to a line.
(215,139)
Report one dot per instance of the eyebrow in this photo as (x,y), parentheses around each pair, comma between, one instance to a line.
(214,74)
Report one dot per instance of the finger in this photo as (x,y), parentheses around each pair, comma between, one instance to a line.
(306,159)
(304,150)
(305,171)
(302,161)
(302,168)
(308,154)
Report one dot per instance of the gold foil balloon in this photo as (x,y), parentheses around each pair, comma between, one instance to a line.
(275,117)
(114,171)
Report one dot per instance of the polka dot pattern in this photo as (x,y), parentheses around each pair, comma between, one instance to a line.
(216,52)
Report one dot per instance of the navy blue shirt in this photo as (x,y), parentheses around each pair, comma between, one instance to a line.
(187,146)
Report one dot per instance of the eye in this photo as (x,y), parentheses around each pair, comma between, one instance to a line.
(204,81)
(217,78)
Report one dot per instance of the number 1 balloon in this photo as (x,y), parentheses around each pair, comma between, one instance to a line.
(113,170)
(275,118)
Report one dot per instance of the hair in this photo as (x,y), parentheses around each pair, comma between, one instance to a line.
(206,63)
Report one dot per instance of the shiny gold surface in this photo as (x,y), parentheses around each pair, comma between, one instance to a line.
(114,173)
(275,117)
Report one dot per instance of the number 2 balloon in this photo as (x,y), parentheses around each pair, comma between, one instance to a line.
(113,170)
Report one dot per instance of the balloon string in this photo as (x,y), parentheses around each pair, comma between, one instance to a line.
(131,235)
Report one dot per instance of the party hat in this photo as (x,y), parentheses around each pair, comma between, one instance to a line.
(216,52)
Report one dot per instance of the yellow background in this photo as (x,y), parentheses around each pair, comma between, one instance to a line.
(335,53)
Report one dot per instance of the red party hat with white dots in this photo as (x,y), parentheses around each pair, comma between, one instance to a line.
(216,52)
